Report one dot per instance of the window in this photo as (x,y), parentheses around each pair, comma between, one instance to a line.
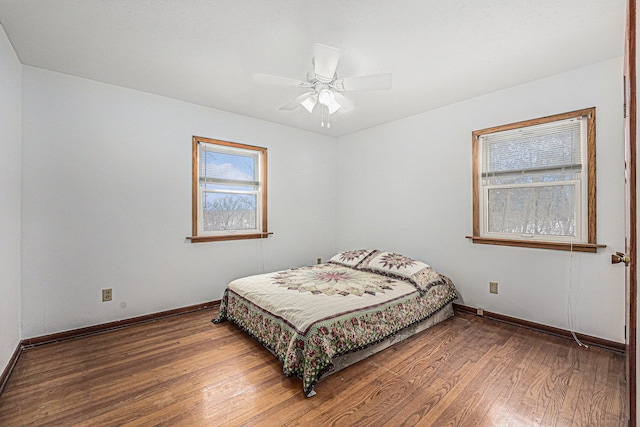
(535,185)
(229,191)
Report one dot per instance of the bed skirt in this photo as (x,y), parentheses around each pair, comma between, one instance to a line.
(349,359)
(346,360)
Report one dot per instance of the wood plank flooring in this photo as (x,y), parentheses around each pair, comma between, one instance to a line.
(185,371)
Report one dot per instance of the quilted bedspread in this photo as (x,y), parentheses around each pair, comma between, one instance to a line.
(309,315)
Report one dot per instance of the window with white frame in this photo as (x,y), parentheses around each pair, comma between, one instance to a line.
(229,190)
(534,183)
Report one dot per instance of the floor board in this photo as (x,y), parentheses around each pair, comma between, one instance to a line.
(184,370)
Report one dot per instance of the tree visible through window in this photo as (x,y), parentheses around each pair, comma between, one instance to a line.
(534,183)
(229,190)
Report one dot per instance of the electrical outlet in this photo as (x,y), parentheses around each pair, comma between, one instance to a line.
(493,287)
(479,312)
(107,295)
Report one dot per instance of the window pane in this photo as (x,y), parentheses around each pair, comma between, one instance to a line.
(227,166)
(540,210)
(229,211)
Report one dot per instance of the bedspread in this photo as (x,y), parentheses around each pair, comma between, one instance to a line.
(309,315)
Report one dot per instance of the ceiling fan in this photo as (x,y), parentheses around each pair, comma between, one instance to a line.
(324,86)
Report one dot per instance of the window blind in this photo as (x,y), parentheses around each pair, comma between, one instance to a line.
(539,148)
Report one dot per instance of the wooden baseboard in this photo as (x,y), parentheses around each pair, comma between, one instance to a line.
(96,329)
(105,327)
(119,324)
(586,339)
(9,368)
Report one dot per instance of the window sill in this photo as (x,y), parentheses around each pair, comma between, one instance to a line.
(201,239)
(561,246)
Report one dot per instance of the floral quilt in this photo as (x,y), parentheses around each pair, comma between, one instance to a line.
(310,315)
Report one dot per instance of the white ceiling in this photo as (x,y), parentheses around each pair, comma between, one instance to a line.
(207,51)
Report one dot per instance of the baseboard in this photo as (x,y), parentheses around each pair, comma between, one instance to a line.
(586,339)
(105,327)
(119,324)
(9,368)
(96,329)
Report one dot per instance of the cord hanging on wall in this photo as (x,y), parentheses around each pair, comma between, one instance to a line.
(570,314)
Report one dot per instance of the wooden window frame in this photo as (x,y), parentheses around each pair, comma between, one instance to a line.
(591,244)
(195,161)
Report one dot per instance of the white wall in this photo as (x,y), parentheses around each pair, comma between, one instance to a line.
(107,202)
(406,186)
(10,140)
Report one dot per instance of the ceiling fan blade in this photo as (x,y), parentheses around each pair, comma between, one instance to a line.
(371,82)
(295,104)
(281,81)
(325,60)
(346,103)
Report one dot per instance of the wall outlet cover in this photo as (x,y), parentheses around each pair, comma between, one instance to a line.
(493,287)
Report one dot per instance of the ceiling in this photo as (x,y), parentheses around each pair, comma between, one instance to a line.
(207,51)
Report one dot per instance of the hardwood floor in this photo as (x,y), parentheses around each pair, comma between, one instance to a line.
(183,370)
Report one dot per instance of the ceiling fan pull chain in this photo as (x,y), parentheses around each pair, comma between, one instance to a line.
(322,122)
(328,118)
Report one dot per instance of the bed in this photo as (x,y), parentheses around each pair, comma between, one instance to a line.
(322,318)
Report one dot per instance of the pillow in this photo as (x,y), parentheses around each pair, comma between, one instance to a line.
(421,275)
(351,258)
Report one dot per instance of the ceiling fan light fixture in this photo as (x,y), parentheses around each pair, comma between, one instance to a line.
(326,97)
(333,107)
(310,102)
(324,86)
